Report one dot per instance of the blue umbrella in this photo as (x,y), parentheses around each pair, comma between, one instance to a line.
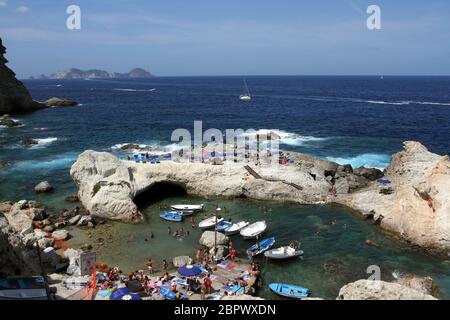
(384,181)
(189,271)
(124,294)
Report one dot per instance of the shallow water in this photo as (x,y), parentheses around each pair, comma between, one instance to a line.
(337,256)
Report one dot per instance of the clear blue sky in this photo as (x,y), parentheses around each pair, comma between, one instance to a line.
(246,37)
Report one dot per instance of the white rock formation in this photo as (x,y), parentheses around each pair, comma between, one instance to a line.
(207,239)
(107,185)
(417,175)
(380,290)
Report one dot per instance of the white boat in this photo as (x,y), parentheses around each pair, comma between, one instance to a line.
(209,223)
(246,96)
(282,253)
(253,230)
(236,227)
(189,207)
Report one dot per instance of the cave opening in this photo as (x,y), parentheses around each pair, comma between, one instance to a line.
(159,191)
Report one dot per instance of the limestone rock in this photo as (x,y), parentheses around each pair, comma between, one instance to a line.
(38,214)
(417,177)
(58,102)
(7,121)
(371,174)
(43,186)
(181,261)
(75,219)
(207,239)
(19,219)
(45,243)
(73,256)
(380,290)
(39,234)
(60,234)
(426,285)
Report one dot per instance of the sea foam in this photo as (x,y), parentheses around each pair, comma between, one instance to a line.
(368,160)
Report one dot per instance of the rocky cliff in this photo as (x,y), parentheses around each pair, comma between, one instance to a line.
(418,209)
(14,97)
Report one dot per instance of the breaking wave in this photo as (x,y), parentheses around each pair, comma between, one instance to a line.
(287,138)
(368,160)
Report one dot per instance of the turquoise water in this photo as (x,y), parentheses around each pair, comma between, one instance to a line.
(335,257)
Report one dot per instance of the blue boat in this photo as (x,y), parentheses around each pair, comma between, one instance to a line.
(289,290)
(262,246)
(223,225)
(171,216)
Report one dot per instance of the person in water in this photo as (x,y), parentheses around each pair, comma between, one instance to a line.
(150,266)
(169,230)
(165,265)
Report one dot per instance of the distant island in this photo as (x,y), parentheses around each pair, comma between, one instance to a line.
(74,73)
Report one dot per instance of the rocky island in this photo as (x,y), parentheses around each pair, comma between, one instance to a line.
(74,73)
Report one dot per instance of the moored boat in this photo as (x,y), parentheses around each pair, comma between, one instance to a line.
(182,207)
(253,230)
(209,222)
(171,216)
(285,252)
(289,290)
(223,225)
(261,246)
(236,227)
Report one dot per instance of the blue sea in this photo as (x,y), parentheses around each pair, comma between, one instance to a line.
(356,120)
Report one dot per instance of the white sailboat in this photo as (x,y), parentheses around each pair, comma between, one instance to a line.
(246,96)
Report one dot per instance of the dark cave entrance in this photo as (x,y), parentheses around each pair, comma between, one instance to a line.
(159,191)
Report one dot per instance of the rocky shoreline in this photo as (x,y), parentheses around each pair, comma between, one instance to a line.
(412,202)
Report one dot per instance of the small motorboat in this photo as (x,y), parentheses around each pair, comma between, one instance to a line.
(289,290)
(209,223)
(286,252)
(253,230)
(186,213)
(223,225)
(182,207)
(261,246)
(171,216)
(236,227)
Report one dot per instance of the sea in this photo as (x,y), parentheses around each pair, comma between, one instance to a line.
(353,120)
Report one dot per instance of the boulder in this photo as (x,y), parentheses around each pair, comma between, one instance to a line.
(29,239)
(43,186)
(60,234)
(39,234)
(380,290)
(371,174)
(181,261)
(75,219)
(84,220)
(5,206)
(207,239)
(19,219)
(8,122)
(58,102)
(426,285)
(38,214)
(28,142)
(45,243)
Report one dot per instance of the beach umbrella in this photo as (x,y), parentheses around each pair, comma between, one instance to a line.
(384,181)
(189,271)
(124,294)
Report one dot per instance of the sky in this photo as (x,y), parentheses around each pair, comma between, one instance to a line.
(246,37)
